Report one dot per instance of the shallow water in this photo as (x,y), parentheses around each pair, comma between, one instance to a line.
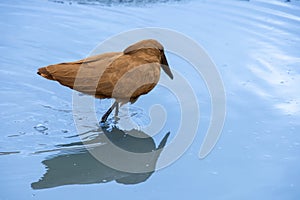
(255,46)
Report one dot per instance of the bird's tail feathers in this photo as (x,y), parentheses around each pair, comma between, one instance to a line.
(44,73)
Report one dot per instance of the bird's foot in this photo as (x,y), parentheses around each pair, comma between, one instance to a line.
(116,119)
(103,123)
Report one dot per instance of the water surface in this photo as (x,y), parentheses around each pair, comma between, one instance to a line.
(255,46)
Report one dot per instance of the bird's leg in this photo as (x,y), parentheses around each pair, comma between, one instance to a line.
(117,112)
(105,116)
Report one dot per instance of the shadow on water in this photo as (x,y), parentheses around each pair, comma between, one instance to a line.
(76,165)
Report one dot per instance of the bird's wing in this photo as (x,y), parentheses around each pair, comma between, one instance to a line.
(82,75)
(128,77)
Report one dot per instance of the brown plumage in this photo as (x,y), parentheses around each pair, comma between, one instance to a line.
(123,76)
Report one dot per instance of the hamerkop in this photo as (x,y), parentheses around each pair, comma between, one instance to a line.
(123,76)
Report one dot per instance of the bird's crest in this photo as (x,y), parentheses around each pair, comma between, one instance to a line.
(143,45)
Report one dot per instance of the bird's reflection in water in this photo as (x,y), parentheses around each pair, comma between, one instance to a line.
(79,166)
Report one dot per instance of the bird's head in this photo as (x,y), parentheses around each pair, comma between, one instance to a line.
(153,44)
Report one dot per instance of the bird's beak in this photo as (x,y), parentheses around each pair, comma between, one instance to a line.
(165,65)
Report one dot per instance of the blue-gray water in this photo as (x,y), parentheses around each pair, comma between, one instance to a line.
(255,46)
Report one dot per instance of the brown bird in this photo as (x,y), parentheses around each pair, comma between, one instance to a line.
(123,76)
